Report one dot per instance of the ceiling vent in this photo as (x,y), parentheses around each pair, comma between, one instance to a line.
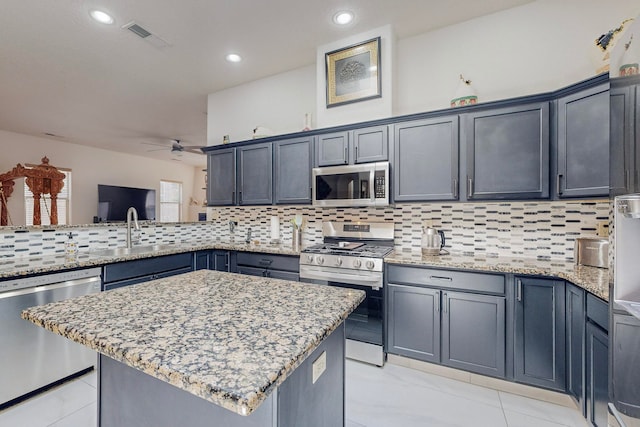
(145,34)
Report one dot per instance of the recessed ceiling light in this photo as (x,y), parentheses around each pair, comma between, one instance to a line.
(343,17)
(100,16)
(233,57)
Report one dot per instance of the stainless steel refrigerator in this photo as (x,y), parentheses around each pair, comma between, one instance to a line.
(624,344)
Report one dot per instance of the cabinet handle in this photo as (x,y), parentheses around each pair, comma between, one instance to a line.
(627,179)
(445,302)
(356,153)
(558,189)
(227,261)
(240,197)
(233,198)
(265,262)
(470,187)
(448,279)
(436,302)
(346,155)
(455,188)
(519,289)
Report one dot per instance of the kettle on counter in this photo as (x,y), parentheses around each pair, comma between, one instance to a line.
(432,241)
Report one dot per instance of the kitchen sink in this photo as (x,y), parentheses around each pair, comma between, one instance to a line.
(135,250)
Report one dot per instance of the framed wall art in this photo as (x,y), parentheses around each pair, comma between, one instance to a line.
(353,73)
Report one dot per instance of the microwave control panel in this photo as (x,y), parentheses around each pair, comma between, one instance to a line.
(379,186)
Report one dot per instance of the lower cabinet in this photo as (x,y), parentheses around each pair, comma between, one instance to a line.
(413,327)
(452,324)
(473,332)
(131,272)
(268,265)
(575,340)
(212,260)
(539,353)
(597,378)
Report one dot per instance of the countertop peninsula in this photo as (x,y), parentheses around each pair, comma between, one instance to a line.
(230,339)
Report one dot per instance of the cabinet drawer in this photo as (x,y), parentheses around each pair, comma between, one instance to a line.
(598,311)
(447,279)
(273,262)
(145,267)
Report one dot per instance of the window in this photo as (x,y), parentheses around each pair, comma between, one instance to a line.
(64,202)
(170,201)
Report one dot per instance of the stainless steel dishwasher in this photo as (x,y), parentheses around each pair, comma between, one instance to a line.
(31,356)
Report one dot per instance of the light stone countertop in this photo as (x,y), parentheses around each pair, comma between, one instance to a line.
(593,279)
(11,267)
(228,338)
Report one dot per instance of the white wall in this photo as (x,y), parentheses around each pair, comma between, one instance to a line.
(537,47)
(90,167)
(278,102)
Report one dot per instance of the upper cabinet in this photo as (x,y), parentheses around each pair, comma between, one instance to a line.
(426,160)
(625,135)
(351,147)
(507,152)
(221,175)
(255,173)
(583,143)
(292,170)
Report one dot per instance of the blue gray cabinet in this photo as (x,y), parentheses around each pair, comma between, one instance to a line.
(284,267)
(221,176)
(425,165)
(583,143)
(131,272)
(473,332)
(332,149)
(597,361)
(413,315)
(212,260)
(539,356)
(622,174)
(255,178)
(575,335)
(292,170)
(370,144)
(507,152)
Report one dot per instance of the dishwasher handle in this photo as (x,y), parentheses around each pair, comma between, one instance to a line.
(51,287)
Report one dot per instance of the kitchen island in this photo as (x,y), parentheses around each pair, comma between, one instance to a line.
(213,349)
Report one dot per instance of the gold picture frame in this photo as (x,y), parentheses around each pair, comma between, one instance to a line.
(353,73)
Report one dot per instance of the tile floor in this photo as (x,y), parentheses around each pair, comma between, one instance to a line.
(388,397)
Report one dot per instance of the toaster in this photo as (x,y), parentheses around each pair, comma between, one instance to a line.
(592,251)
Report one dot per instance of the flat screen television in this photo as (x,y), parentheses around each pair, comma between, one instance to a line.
(114,201)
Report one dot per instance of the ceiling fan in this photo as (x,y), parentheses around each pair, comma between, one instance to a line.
(177,147)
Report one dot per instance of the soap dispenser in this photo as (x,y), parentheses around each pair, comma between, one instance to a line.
(70,246)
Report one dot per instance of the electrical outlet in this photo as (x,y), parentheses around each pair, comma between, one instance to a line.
(318,367)
(602,228)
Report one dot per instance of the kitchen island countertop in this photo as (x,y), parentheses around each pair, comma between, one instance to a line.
(230,339)
(593,279)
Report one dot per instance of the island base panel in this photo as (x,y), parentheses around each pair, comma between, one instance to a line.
(129,397)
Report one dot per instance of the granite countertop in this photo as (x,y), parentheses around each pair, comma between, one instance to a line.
(22,266)
(592,279)
(228,338)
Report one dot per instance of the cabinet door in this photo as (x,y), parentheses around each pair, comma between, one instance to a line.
(583,143)
(539,357)
(575,323)
(507,152)
(202,260)
(332,149)
(625,366)
(473,332)
(621,131)
(414,322)
(219,261)
(426,160)
(293,171)
(221,173)
(256,174)
(597,375)
(371,144)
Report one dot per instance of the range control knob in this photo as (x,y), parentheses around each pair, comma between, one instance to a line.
(357,263)
(310,259)
(369,265)
(320,260)
(338,261)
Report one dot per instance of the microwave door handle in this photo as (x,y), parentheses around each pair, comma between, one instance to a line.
(372,185)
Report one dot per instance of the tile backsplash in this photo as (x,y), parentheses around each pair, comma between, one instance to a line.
(544,229)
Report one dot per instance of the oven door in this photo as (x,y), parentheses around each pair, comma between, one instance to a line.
(364,326)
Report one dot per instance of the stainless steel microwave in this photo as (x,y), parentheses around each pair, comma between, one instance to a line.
(366,184)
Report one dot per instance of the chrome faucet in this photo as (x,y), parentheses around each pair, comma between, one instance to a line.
(131,212)
(248,239)
(232,226)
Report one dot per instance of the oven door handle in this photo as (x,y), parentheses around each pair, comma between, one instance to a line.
(353,279)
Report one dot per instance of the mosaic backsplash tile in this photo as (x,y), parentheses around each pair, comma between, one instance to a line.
(544,230)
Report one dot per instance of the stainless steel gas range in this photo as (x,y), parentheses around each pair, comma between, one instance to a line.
(352,257)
